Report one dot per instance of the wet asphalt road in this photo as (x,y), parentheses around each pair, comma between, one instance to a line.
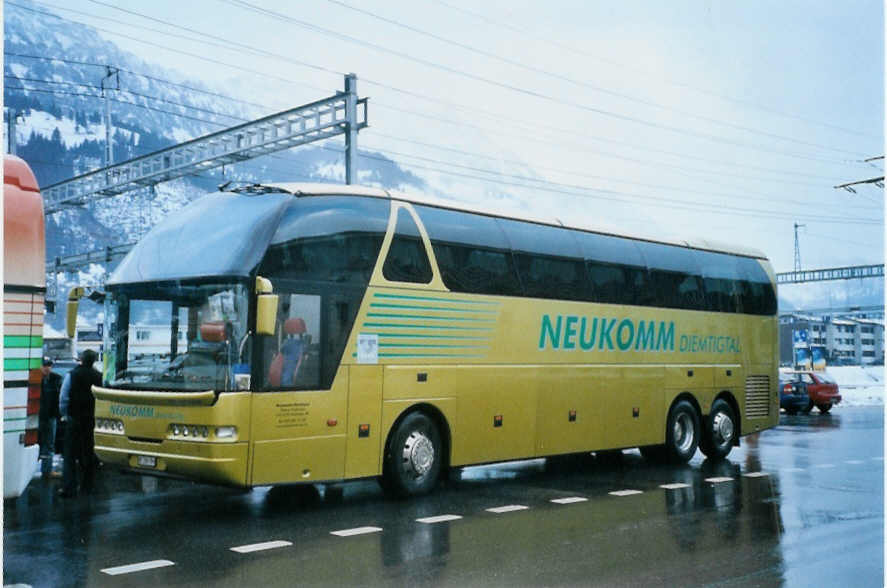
(799,505)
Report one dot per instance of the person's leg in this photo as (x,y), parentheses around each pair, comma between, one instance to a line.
(87,458)
(46,434)
(69,468)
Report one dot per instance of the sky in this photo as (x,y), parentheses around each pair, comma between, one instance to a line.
(713,120)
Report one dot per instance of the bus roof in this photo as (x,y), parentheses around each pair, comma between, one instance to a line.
(318,189)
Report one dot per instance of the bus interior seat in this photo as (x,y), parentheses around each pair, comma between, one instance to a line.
(286,363)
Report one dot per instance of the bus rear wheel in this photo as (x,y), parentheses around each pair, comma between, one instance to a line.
(413,457)
(681,432)
(720,430)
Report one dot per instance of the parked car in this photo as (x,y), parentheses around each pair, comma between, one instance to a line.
(793,395)
(822,390)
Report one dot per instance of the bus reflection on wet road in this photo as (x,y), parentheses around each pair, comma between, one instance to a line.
(798,505)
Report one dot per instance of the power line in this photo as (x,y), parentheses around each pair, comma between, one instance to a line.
(654,201)
(624,66)
(407,92)
(212,122)
(682,204)
(581,83)
(165,100)
(498,84)
(591,176)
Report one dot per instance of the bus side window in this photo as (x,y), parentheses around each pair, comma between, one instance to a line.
(407,260)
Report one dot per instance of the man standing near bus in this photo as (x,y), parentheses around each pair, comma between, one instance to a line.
(78,410)
(49,414)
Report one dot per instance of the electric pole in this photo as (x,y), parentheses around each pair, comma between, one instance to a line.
(351,128)
(109,149)
(797,249)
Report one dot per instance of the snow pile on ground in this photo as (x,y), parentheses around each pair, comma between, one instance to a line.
(859,385)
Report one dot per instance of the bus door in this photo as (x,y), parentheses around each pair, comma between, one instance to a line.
(299,408)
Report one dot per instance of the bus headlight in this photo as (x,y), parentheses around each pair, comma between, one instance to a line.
(226,432)
(191,432)
(109,426)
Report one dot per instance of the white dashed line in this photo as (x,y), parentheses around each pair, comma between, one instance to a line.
(877,459)
(509,508)
(674,486)
(854,461)
(355,531)
(756,474)
(824,465)
(719,480)
(793,470)
(138,567)
(570,500)
(439,519)
(261,546)
(625,492)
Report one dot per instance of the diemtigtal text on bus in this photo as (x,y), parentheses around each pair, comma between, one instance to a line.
(290,333)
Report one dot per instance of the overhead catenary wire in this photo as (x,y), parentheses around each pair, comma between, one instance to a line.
(212,122)
(499,84)
(407,92)
(577,82)
(603,194)
(647,72)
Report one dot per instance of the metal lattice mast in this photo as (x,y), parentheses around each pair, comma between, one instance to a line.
(312,122)
(106,94)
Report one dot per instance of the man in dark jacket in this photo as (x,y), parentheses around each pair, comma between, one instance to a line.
(49,414)
(79,415)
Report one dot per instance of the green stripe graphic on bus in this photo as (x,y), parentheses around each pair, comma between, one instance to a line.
(464,327)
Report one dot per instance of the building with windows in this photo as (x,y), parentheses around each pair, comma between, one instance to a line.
(847,341)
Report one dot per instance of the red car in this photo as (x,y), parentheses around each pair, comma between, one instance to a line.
(821,388)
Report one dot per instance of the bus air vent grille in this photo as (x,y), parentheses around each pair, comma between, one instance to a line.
(757,397)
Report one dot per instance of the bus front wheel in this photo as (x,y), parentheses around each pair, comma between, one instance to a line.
(413,457)
(681,432)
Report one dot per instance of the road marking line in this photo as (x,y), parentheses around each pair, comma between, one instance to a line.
(355,531)
(824,465)
(439,519)
(877,459)
(138,567)
(793,470)
(569,500)
(625,492)
(719,480)
(854,461)
(756,474)
(261,546)
(674,486)
(509,508)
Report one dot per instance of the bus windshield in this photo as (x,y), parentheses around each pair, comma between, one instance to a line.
(177,336)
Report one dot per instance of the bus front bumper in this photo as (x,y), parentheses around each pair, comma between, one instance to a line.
(215,463)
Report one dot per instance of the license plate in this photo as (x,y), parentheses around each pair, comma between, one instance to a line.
(146,461)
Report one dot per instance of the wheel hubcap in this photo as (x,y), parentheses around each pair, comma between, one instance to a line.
(722,428)
(683,433)
(418,454)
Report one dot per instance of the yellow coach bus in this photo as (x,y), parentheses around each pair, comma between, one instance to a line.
(325,332)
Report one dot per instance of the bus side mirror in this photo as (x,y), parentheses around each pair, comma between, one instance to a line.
(74,297)
(266,314)
(266,307)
